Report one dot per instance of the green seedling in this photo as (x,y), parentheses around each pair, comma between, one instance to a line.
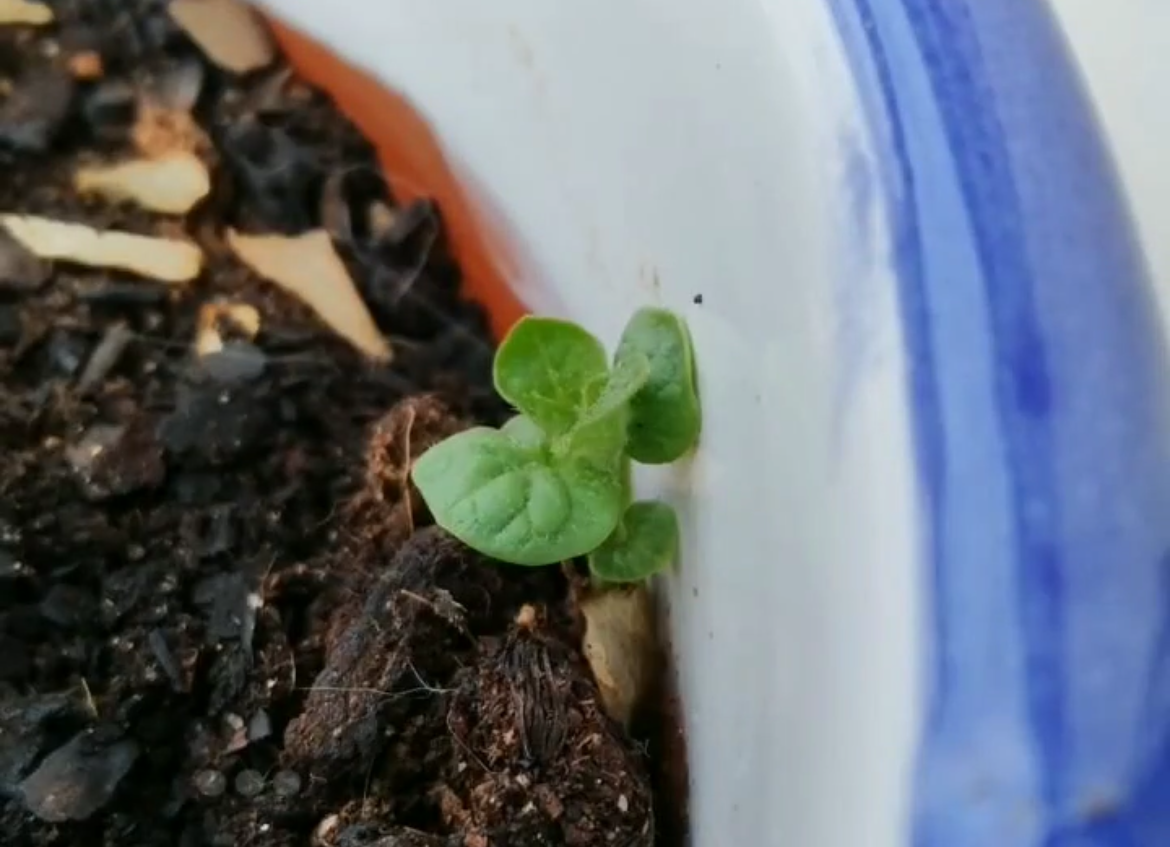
(554,482)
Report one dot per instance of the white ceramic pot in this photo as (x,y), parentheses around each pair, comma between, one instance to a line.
(923,599)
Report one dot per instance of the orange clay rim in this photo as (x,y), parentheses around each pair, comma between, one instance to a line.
(414,165)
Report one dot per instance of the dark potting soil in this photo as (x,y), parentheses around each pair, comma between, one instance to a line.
(224,619)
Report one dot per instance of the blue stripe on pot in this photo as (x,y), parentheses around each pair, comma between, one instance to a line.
(1042,422)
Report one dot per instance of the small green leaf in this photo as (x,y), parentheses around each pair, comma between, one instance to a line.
(645,543)
(551,370)
(525,432)
(630,374)
(603,429)
(516,506)
(664,416)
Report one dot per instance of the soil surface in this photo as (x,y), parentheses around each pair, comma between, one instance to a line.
(224,619)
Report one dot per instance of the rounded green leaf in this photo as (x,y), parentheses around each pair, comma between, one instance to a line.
(551,370)
(664,415)
(645,543)
(515,505)
(525,432)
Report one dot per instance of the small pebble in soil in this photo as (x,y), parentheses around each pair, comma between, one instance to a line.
(79,778)
(35,110)
(210,783)
(67,352)
(286,783)
(116,459)
(24,724)
(238,361)
(84,454)
(259,727)
(249,783)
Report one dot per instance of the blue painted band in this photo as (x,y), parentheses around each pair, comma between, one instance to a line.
(1040,407)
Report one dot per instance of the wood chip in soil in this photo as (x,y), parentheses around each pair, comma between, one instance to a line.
(224,616)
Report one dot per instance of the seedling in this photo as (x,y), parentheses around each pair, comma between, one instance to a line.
(554,482)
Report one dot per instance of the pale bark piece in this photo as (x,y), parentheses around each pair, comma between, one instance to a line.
(229,32)
(162,259)
(243,316)
(173,184)
(161,131)
(208,341)
(25,12)
(620,645)
(308,267)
